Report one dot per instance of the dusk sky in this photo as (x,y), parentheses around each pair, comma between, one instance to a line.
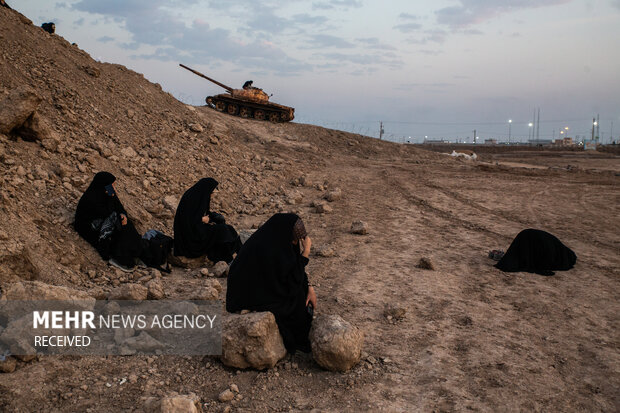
(425,68)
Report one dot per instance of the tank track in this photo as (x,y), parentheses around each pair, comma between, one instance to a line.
(236,107)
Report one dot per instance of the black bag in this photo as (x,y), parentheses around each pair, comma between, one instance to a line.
(156,248)
(216,218)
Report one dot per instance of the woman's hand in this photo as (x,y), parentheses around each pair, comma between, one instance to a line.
(306,243)
(311,297)
(205,219)
(123,219)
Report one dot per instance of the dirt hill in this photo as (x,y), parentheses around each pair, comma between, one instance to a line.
(473,338)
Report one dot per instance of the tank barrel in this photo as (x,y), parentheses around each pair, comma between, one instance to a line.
(228,88)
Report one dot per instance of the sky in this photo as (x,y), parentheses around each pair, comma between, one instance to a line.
(436,69)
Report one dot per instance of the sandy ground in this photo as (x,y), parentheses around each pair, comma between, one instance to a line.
(473,338)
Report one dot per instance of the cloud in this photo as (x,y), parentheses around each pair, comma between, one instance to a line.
(471,12)
(374,43)
(79,22)
(151,24)
(616,3)
(408,27)
(387,59)
(407,16)
(322,41)
(105,39)
(431,36)
(332,4)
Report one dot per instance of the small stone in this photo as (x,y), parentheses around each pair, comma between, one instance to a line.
(359,227)
(155,290)
(220,269)
(204,272)
(8,365)
(196,127)
(426,264)
(226,396)
(128,152)
(334,195)
(323,208)
(170,202)
(325,251)
(234,388)
(392,311)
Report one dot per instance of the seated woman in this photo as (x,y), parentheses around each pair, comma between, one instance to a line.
(537,251)
(198,231)
(269,275)
(102,221)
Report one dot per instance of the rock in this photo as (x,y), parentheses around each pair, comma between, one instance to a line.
(8,365)
(245,234)
(36,290)
(359,227)
(35,128)
(128,152)
(185,262)
(336,344)
(155,290)
(323,208)
(251,340)
(18,106)
(170,202)
(234,388)
(142,343)
(174,404)
(205,272)
(426,264)
(334,195)
(226,396)
(394,312)
(294,197)
(196,127)
(325,251)
(220,269)
(129,291)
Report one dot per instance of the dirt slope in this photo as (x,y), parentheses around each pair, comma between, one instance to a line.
(473,338)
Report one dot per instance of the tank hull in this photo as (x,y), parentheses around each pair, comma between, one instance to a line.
(245,108)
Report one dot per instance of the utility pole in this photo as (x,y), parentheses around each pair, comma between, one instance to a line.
(538,126)
(381,131)
(611,132)
(598,125)
(474,136)
(593,125)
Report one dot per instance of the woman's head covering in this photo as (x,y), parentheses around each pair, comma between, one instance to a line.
(299,230)
(266,269)
(537,251)
(194,204)
(96,204)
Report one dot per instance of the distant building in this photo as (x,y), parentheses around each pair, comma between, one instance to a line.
(540,142)
(490,141)
(434,141)
(563,142)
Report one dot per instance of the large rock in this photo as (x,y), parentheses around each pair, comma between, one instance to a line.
(18,106)
(220,269)
(336,344)
(35,128)
(251,340)
(129,291)
(36,290)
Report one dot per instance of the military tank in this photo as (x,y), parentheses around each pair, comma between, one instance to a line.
(247,102)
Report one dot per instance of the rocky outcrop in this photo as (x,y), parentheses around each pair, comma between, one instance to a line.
(251,341)
(129,291)
(336,344)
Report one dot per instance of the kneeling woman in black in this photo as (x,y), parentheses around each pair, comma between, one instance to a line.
(199,231)
(102,221)
(269,275)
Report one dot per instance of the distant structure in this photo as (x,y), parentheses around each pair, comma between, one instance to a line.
(563,142)
(540,142)
(435,141)
(490,141)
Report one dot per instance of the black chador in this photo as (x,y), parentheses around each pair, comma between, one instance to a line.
(102,221)
(193,237)
(537,251)
(269,274)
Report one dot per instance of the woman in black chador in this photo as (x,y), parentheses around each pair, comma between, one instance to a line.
(198,231)
(102,221)
(269,275)
(537,251)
